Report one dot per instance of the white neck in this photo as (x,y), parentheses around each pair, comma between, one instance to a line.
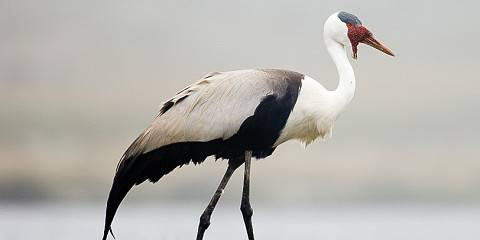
(345,90)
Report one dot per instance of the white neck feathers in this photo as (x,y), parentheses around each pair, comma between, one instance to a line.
(345,90)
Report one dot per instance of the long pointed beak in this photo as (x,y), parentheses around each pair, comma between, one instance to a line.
(371,41)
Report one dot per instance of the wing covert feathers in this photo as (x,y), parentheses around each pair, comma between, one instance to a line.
(222,114)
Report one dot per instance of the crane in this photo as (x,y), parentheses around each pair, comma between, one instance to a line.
(238,115)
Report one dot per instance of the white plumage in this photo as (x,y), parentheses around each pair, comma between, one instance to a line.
(312,116)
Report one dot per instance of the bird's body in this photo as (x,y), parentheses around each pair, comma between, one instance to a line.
(236,115)
(218,105)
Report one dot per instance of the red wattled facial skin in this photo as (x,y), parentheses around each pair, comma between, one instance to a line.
(356,33)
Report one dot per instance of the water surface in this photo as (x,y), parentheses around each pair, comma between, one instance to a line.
(179,221)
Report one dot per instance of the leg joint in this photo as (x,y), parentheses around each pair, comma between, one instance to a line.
(246,209)
(205,220)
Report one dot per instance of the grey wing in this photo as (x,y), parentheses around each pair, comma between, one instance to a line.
(215,107)
(212,108)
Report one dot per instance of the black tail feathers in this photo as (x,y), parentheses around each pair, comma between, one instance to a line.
(105,233)
(118,192)
(135,168)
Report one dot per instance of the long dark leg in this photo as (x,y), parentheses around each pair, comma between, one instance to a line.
(205,218)
(245,207)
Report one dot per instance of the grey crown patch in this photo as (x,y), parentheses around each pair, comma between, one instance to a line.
(349,18)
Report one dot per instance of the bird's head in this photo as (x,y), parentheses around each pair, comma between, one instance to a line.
(346,29)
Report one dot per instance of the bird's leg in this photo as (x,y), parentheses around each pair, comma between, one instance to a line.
(245,207)
(205,218)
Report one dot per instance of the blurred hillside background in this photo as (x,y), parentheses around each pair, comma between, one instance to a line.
(79,80)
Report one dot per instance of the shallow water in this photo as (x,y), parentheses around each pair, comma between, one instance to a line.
(179,221)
